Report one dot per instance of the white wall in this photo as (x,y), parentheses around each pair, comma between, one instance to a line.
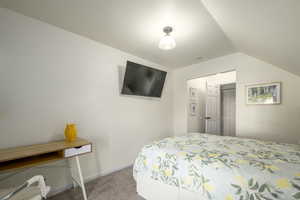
(49,76)
(196,123)
(268,122)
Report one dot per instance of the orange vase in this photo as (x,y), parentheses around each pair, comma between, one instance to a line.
(70,132)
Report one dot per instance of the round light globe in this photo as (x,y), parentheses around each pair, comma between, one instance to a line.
(167,43)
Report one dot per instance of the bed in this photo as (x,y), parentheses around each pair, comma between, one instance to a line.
(210,167)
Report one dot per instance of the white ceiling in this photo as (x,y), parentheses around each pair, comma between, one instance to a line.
(266,29)
(135,26)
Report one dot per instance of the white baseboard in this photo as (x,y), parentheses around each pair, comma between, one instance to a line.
(93,177)
(59,190)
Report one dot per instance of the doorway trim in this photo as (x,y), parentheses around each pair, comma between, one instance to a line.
(210,74)
(204,76)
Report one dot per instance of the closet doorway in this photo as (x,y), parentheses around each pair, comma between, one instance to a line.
(212,104)
(228,104)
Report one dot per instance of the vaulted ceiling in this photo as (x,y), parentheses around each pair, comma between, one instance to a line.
(266,29)
(135,26)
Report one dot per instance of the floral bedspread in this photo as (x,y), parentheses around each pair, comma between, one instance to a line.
(224,168)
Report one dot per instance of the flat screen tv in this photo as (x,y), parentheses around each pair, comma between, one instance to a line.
(143,81)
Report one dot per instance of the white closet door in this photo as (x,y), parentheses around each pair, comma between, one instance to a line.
(212,118)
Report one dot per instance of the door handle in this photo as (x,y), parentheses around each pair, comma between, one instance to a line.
(207,117)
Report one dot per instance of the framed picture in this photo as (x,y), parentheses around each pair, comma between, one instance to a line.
(193,108)
(263,94)
(193,92)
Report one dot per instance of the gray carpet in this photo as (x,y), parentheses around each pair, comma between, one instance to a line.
(116,186)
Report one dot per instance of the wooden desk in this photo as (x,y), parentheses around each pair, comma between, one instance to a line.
(33,155)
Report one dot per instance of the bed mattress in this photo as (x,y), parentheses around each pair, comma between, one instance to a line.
(219,167)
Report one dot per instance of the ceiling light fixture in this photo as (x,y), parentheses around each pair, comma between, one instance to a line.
(167,42)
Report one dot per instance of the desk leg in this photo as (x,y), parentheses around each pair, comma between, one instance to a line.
(81,181)
(72,173)
(81,178)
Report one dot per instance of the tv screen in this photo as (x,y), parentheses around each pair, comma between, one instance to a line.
(143,81)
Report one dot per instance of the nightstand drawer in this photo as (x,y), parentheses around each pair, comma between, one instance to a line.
(77,150)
